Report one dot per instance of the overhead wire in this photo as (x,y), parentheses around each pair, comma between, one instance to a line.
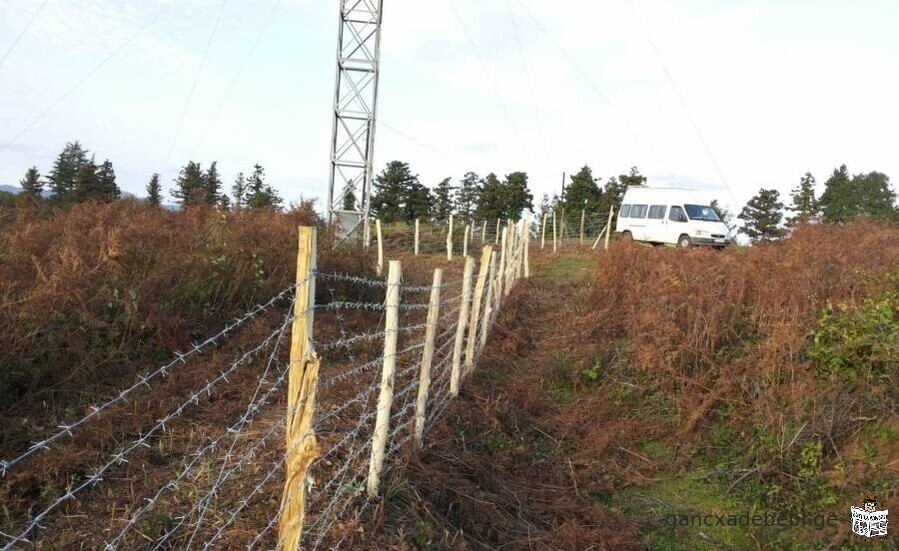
(23,32)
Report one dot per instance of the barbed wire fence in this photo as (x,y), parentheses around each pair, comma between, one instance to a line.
(356,370)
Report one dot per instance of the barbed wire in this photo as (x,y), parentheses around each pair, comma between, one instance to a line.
(143,381)
(119,458)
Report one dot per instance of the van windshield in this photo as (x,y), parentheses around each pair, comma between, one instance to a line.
(699,212)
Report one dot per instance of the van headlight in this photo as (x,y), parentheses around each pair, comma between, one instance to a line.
(702,232)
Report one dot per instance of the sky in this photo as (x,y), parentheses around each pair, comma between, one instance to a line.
(722,96)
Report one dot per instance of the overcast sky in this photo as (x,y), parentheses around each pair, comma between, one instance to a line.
(776,88)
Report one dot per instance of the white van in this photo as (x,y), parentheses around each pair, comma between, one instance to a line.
(670,216)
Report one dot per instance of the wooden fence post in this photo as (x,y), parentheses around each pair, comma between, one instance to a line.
(609,225)
(380,268)
(519,252)
(562,226)
(427,355)
(461,324)
(527,247)
(543,234)
(302,447)
(483,232)
(497,232)
(385,398)
(476,306)
(583,219)
(502,262)
(490,304)
(449,240)
(465,240)
(555,238)
(599,237)
(416,237)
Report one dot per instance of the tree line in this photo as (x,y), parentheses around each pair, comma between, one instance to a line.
(76,177)
(845,197)
(399,196)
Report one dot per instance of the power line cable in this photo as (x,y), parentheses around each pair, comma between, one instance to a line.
(193,88)
(218,111)
(424,145)
(25,30)
(90,74)
(527,75)
(682,101)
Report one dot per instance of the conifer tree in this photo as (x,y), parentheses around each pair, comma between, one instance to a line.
(390,192)
(443,201)
(846,197)
(349,196)
(805,205)
(154,191)
(762,216)
(190,186)
(107,188)
(582,193)
(212,183)
(239,190)
(259,194)
(32,184)
(491,204)
(61,180)
(468,195)
(86,183)
(516,196)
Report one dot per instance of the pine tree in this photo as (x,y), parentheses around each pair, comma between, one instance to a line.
(32,184)
(212,184)
(107,188)
(259,194)
(443,201)
(516,195)
(468,195)
(762,216)
(239,190)
(190,186)
(490,204)
(154,191)
(87,185)
(349,196)
(582,193)
(634,178)
(805,205)
(844,198)
(390,191)
(65,169)
(417,202)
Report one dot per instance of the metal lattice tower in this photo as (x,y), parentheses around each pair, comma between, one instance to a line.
(355,107)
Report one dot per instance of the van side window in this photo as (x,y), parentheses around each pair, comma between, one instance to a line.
(638,211)
(625,211)
(677,214)
(657,212)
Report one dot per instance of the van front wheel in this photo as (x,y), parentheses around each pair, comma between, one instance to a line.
(684,242)
(626,236)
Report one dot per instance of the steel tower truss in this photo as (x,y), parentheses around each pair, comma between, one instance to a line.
(355,108)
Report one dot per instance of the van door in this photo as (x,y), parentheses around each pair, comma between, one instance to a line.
(676,224)
(655,224)
(638,221)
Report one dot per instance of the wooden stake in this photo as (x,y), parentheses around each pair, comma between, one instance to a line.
(302,446)
(489,304)
(502,263)
(380,267)
(555,239)
(465,240)
(385,399)
(424,375)
(449,240)
(527,247)
(583,219)
(609,225)
(484,232)
(543,234)
(416,237)
(598,237)
(476,306)
(497,232)
(461,323)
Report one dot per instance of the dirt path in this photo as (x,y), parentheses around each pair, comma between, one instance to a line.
(512,466)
